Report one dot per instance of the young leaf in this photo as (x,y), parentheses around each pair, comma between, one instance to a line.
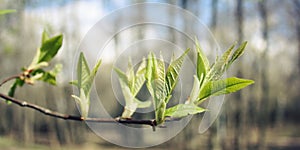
(155,75)
(182,110)
(131,83)
(202,63)
(83,74)
(122,76)
(159,80)
(139,78)
(84,103)
(47,76)
(225,86)
(237,53)
(219,67)
(130,105)
(173,72)
(93,73)
(160,83)
(50,48)
(195,91)
(156,79)
(160,111)
(130,74)
(149,74)
(35,60)
(45,37)
(84,82)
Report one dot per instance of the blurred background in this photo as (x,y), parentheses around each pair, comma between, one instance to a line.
(262,116)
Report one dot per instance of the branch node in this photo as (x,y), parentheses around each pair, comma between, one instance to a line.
(47,111)
(24,103)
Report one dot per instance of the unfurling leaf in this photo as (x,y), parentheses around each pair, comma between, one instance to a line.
(223,63)
(83,74)
(182,110)
(84,103)
(219,66)
(173,72)
(202,64)
(237,53)
(45,37)
(225,86)
(131,83)
(157,86)
(84,83)
(195,91)
(161,83)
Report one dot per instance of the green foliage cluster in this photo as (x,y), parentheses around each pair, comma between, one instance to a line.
(35,71)
(160,81)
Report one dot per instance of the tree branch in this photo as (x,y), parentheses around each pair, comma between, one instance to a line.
(10,78)
(55,114)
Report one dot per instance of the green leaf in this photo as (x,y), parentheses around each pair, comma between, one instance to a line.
(35,60)
(50,48)
(161,83)
(34,66)
(122,76)
(173,72)
(159,80)
(130,74)
(156,84)
(130,105)
(93,74)
(84,82)
(237,53)
(131,84)
(7,11)
(139,78)
(225,86)
(182,110)
(156,79)
(83,74)
(47,76)
(149,74)
(195,91)
(18,82)
(202,63)
(160,112)
(45,37)
(219,67)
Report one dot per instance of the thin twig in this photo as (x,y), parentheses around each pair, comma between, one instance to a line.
(9,78)
(55,114)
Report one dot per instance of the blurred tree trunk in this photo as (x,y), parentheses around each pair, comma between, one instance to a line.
(239,101)
(297,17)
(214,14)
(212,134)
(264,102)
